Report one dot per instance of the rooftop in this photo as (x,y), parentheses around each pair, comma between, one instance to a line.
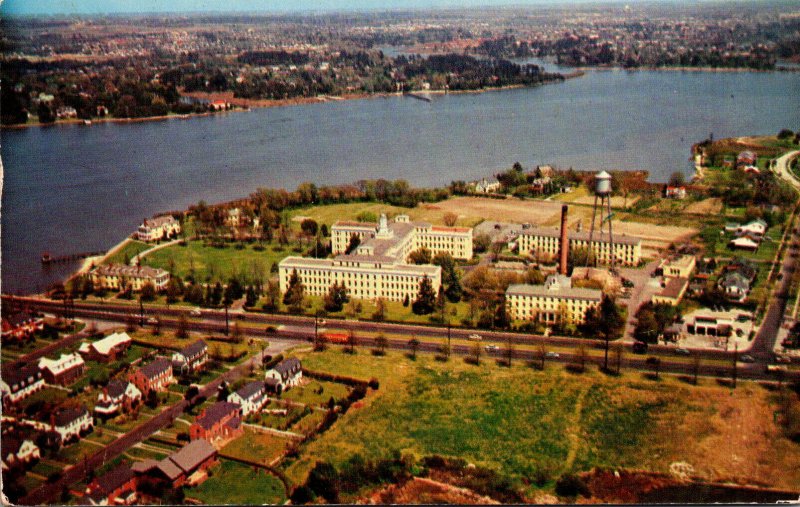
(129,271)
(553,232)
(105,345)
(155,368)
(215,413)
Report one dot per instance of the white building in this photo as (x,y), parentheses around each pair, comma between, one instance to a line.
(288,373)
(117,395)
(378,267)
(118,276)
(756,228)
(153,229)
(19,382)
(545,242)
(70,422)
(251,397)
(551,302)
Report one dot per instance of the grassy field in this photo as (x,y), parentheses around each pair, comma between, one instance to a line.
(212,264)
(330,214)
(257,446)
(523,422)
(128,252)
(233,483)
(316,392)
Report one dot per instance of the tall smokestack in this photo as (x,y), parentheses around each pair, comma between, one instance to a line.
(562,267)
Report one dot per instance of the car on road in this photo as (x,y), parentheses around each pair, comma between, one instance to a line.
(492,348)
(783,359)
(640,348)
(552,355)
(682,352)
(196,312)
(746,358)
(152,320)
(475,337)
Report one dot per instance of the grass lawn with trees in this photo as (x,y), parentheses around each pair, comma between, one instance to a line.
(130,250)
(555,421)
(234,483)
(213,264)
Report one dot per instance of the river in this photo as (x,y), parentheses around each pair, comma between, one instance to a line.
(77,188)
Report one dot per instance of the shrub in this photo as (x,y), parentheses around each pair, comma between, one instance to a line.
(374,384)
(570,484)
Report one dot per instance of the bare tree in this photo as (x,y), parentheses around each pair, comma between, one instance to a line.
(655,363)
(450,219)
(351,341)
(580,358)
(182,330)
(509,352)
(541,353)
(413,344)
(696,366)
(619,351)
(380,345)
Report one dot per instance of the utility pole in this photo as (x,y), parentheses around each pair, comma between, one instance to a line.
(735,360)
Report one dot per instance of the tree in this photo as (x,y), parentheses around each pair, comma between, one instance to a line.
(156,326)
(580,358)
(182,331)
(406,301)
(309,227)
(381,343)
(509,352)
(654,363)
(148,292)
(477,350)
(236,332)
(294,293)
(420,256)
(450,219)
(607,322)
(619,350)
(273,294)
(351,341)
(174,290)
(380,310)
(677,179)
(336,297)
(481,242)
(541,354)
(250,297)
(45,113)
(354,242)
(426,298)
(323,480)
(413,345)
(696,360)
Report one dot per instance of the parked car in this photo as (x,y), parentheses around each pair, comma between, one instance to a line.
(746,358)
(492,348)
(152,320)
(475,337)
(783,359)
(552,355)
(196,312)
(682,352)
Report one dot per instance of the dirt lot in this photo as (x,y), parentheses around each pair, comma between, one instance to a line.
(710,206)
(546,213)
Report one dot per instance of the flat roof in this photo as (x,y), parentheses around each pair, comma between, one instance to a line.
(552,232)
(524,289)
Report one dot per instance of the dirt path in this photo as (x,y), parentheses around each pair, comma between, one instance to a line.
(574,436)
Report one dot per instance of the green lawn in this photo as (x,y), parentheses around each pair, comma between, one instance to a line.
(233,483)
(316,392)
(520,421)
(331,213)
(212,264)
(256,446)
(131,249)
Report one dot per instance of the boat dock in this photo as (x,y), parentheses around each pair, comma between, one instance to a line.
(49,259)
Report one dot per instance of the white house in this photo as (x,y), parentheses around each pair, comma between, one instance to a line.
(18,452)
(286,374)
(19,382)
(70,422)
(153,229)
(106,349)
(251,397)
(484,187)
(115,396)
(744,243)
(62,371)
(757,227)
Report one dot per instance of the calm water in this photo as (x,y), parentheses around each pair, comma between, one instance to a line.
(76,188)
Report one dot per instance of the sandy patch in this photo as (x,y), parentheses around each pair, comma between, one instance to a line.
(616,201)
(710,206)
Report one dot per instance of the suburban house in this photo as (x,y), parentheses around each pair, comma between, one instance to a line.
(288,373)
(20,381)
(250,397)
(117,396)
(735,285)
(120,276)
(106,349)
(672,292)
(62,371)
(675,192)
(190,358)
(154,376)
(18,452)
(116,487)
(744,243)
(153,229)
(743,267)
(70,423)
(484,187)
(186,466)
(222,420)
(755,228)
(20,326)
(751,169)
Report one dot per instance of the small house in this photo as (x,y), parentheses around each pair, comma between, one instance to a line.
(62,371)
(71,423)
(117,396)
(18,452)
(154,376)
(185,466)
(251,397)
(116,487)
(20,326)
(20,381)
(191,358)
(222,420)
(110,348)
(672,192)
(285,374)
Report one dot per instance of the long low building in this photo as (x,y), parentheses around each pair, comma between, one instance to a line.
(365,277)
(118,276)
(377,266)
(557,299)
(539,242)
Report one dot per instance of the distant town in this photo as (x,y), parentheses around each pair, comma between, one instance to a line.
(90,69)
(250,341)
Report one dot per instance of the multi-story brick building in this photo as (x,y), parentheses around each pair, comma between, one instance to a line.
(154,376)
(62,371)
(544,242)
(119,277)
(551,302)
(153,229)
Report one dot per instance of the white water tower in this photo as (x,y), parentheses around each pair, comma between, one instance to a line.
(601,215)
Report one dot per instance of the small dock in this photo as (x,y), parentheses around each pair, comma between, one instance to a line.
(50,259)
(418,96)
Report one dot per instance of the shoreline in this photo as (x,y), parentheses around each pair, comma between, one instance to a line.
(246,105)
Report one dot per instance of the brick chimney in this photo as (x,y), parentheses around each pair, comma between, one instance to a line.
(564,247)
(52,421)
